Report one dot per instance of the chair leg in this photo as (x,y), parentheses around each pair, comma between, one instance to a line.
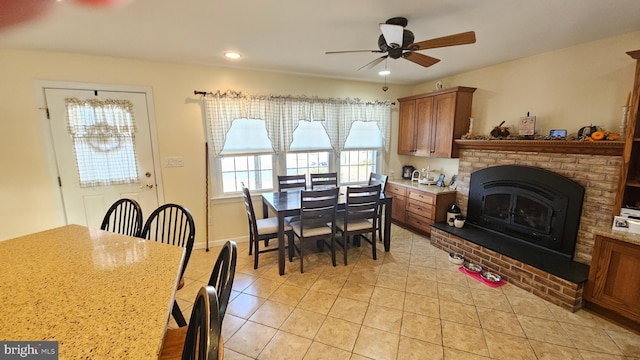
(256,251)
(177,315)
(345,246)
(373,244)
(333,250)
(292,248)
(301,258)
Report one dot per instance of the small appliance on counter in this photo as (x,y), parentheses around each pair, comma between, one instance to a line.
(453,210)
(407,172)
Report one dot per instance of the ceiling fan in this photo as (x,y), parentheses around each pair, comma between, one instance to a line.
(398,42)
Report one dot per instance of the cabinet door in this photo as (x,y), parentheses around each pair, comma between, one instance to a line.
(406,128)
(424,125)
(614,280)
(444,110)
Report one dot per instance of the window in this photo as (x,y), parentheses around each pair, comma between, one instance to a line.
(239,164)
(357,165)
(311,150)
(255,171)
(308,162)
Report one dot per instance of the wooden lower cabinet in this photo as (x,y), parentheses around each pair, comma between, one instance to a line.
(417,208)
(614,278)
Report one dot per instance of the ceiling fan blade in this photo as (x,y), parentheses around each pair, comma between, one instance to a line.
(468,37)
(420,59)
(352,51)
(373,63)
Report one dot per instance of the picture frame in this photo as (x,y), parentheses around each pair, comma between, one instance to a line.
(454,182)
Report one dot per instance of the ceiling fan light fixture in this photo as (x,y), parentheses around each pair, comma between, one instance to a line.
(384,72)
(392,34)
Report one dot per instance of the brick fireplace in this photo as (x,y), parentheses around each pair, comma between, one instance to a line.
(594,166)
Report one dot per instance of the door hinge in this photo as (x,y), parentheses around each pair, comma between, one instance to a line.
(47,110)
(59,182)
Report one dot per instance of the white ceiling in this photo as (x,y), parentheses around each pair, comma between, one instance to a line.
(291,36)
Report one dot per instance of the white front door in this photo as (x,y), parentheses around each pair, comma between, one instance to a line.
(87,205)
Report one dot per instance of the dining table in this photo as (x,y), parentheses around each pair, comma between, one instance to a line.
(99,295)
(287,203)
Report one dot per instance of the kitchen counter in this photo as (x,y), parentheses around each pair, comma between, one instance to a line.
(101,295)
(433,189)
(631,238)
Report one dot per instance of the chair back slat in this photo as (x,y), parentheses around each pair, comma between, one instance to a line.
(318,207)
(204,331)
(292,182)
(123,217)
(223,274)
(362,203)
(378,179)
(324,180)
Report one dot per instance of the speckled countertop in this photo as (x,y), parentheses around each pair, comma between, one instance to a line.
(428,188)
(624,236)
(100,295)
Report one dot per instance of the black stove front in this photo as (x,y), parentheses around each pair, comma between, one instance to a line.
(527,204)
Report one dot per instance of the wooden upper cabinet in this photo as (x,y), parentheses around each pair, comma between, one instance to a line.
(430,122)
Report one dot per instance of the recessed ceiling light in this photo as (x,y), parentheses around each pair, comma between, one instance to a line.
(384,72)
(232,55)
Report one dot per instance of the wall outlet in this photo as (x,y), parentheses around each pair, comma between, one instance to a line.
(173,162)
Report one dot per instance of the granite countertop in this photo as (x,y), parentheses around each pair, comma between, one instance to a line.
(623,236)
(433,189)
(101,295)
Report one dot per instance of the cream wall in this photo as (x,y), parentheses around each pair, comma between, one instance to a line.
(564,89)
(567,89)
(27,186)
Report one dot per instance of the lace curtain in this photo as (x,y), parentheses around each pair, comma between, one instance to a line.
(103,134)
(282,115)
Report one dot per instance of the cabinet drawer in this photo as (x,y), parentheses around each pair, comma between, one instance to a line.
(422,196)
(418,222)
(420,208)
(395,190)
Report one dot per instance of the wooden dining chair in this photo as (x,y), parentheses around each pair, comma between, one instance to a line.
(317,221)
(172,224)
(292,182)
(359,217)
(324,180)
(379,179)
(123,217)
(262,229)
(201,339)
(223,274)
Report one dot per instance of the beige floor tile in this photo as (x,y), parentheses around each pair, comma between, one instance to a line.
(507,347)
(463,337)
(530,306)
(356,291)
(460,294)
(349,309)
(423,305)
(421,272)
(230,325)
(244,305)
(305,280)
(338,333)
(592,339)
(421,327)
(580,317)
(364,276)
(392,281)
(304,323)
(460,313)
(383,318)
(413,349)
(401,255)
(387,297)
(250,339)
(317,301)
(232,355)
(590,355)
(262,288)
(491,299)
(422,287)
(272,313)
(328,284)
(455,354)
(500,321)
(546,351)
(288,294)
(377,344)
(544,330)
(394,269)
(285,346)
(320,351)
(627,341)
(422,260)
(451,277)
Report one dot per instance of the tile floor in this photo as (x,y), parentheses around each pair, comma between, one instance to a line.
(411,303)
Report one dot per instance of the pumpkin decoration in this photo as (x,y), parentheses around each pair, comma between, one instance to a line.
(500,131)
(613,136)
(586,131)
(597,135)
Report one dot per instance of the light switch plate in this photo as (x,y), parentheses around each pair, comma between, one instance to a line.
(174,162)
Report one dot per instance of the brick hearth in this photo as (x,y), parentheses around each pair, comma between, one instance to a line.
(599,175)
